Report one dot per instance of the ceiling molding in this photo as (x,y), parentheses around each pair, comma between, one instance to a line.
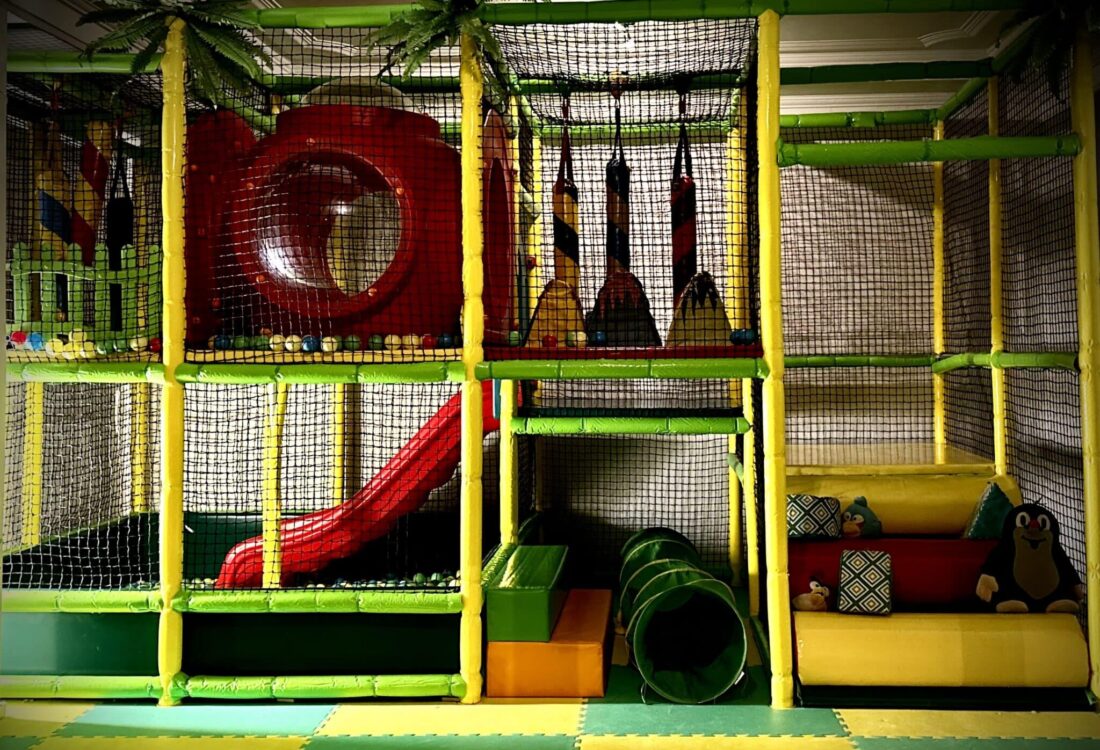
(974,24)
(793,104)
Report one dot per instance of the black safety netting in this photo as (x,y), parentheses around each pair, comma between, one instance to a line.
(595,492)
(759,432)
(82,482)
(966,258)
(366,498)
(324,208)
(83,217)
(968,413)
(645,243)
(625,398)
(858,415)
(857,259)
(1045,449)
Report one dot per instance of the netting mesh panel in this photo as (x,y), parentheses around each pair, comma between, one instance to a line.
(851,135)
(966,236)
(688,247)
(857,259)
(389,527)
(1044,449)
(82,482)
(1039,285)
(83,216)
(968,396)
(596,492)
(627,397)
(831,408)
(325,210)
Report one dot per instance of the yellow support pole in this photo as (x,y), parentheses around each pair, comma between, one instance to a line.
(939,385)
(139,447)
(173,131)
(31,520)
(752,540)
(339,442)
(996,298)
(1088,326)
(509,465)
(271,503)
(473,325)
(771,335)
(534,232)
(737,305)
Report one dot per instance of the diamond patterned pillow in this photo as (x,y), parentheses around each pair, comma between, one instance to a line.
(865,582)
(811,516)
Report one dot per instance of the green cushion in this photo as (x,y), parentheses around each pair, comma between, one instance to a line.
(989,515)
(524,599)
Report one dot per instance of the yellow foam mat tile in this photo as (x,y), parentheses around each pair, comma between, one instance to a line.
(633,742)
(966,724)
(172,743)
(488,717)
(38,718)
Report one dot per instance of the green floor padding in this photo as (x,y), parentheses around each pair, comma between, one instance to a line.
(138,720)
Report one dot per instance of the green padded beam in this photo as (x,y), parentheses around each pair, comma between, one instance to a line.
(859,360)
(1008,360)
(858,119)
(256,374)
(904,152)
(87,372)
(314,600)
(327,687)
(82,687)
(612,369)
(75,600)
(629,425)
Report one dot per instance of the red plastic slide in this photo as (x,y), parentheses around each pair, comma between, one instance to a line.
(312,541)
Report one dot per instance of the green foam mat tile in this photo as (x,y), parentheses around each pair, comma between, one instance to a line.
(192,721)
(18,743)
(443,742)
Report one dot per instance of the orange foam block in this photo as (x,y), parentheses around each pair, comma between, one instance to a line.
(571,665)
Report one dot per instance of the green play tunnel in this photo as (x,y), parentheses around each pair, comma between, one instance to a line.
(685,635)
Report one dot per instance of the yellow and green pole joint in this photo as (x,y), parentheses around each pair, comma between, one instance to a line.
(939,334)
(996,291)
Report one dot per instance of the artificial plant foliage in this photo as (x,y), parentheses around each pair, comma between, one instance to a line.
(220,52)
(1052,32)
(411,36)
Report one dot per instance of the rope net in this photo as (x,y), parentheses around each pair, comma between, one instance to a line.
(83,217)
(82,481)
(645,242)
(323,208)
(369,499)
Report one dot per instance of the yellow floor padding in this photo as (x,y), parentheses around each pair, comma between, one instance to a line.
(970,724)
(918,504)
(172,743)
(715,743)
(496,717)
(883,457)
(941,650)
(38,719)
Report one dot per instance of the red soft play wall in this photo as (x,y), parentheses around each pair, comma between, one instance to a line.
(927,572)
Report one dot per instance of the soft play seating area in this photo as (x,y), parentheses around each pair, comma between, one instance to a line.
(531,377)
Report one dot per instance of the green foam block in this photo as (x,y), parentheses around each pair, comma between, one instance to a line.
(524,599)
(988,519)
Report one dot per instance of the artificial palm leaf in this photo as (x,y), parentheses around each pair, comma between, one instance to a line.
(1052,32)
(220,54)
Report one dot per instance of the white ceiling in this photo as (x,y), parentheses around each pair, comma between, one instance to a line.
(806,41)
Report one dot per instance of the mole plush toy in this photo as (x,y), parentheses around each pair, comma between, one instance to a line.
(1028,571)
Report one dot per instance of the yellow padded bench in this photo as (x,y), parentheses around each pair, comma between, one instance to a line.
(941,650)
(911,503)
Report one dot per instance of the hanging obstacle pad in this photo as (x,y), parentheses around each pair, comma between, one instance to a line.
(685,635)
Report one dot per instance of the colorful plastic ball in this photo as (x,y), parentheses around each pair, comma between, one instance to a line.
(352,343)
(211,341)
(60,316)
(571,338)
(221,341)
(140,343)
(103,348)
(265,331)
(742,336)
(446,341)
(311,344)
(120,345)
(376,342)
(155,345)
(549,341)
(35,341)
(54,347)
(580,339)
(330,344)
(458,341)
(260,342)
(277,342)
(392,342)
(18,339)
(293,343)
(513,338)
(78,336)
(242,342)
(599,338)
(427,341)
(85,349)
(410,341)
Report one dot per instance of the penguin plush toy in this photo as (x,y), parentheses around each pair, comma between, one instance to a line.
(1028,571)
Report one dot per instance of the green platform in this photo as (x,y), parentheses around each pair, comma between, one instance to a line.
(67,643)
(525,597)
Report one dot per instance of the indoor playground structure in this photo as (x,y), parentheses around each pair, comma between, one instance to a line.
(349,384)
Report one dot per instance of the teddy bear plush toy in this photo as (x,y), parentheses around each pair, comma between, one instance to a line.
(1028,571)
